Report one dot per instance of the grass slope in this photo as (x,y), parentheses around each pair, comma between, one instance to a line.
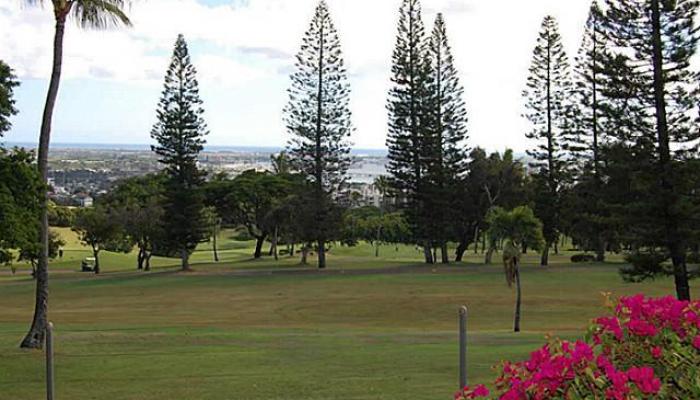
(236,330)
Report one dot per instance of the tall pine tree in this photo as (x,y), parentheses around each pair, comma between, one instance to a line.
(8,82)
(448,153)
(548,90)
(319,118)
(180,132)
(655,42)
(587,196)
(410,127)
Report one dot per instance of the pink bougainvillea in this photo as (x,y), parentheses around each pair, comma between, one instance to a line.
(648,348)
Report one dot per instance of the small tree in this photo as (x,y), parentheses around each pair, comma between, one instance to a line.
(517,227)
(100,230)
(31,251)
(213,222)
(180,132)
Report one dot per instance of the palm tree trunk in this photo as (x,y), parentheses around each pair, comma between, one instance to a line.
(35,337)
(96,254)
(518,298)
(216,252)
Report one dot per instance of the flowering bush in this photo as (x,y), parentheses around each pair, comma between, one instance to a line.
(648,348)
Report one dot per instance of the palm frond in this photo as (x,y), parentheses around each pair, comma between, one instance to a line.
(100,14)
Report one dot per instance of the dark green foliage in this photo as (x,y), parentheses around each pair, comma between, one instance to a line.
(319,119)
(8,82)
(138,205)
(31,251)
(20,190)
(411,136)
(180,132)
(547,93)
(655,149)
(493,180)
(100,229)
(372,225)
(519,226)
(60,216)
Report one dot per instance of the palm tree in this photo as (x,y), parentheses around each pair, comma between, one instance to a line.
(516,227)
(94,14)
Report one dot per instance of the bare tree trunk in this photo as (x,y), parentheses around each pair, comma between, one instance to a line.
(140,258)
(291,252)
(305,254)
(476,240)
(321,254)
(428,254)
(376,249)
(518,298)
(148,261)
(445,255)
(488,259)
(600,249)
(544,261)
(274,245)
(185,257)
(260,240)
(35,337)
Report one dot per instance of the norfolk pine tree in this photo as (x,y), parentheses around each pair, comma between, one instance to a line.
(448,153)
(548,90)
(655,42)
(180,132)
(410,133)
(319,119)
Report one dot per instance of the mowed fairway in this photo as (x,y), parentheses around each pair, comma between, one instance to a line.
(382,329)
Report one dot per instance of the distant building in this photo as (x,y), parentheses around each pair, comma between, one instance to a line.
(84,200)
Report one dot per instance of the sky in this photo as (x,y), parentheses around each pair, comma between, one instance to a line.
(244,52)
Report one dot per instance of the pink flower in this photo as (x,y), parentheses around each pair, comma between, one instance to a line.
(696,342)
(656,352)
(644,379)
(480,391)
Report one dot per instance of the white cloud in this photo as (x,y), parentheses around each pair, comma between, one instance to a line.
(238,45)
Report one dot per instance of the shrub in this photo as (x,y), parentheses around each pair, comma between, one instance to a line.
(648,348)
(582,258)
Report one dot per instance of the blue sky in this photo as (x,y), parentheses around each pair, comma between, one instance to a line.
(244,49)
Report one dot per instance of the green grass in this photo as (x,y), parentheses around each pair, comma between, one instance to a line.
(233,331)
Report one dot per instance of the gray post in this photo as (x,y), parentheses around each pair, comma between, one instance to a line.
(462,347)
(49,362)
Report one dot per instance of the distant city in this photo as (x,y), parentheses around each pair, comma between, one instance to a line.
(79,172)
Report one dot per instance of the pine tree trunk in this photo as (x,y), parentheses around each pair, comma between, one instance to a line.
(35,337)
(680,270)
(544,261)
(321,254)
(518,298)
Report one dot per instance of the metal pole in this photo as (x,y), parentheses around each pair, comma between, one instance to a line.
(462,347)
(49,362)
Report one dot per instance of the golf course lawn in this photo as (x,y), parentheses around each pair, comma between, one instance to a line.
(368,328)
